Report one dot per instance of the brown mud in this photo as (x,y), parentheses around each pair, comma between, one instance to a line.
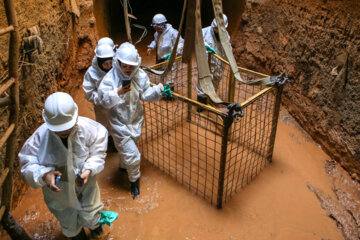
(275,205)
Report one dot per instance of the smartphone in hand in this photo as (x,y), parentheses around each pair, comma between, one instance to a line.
(57,180)
(126,82)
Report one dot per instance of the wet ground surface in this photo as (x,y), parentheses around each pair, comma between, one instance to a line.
(275,205)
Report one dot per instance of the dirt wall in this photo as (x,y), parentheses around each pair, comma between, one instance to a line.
(68,41)
(317,44)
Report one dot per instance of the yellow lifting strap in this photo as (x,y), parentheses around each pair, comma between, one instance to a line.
(204,75)
(225,43)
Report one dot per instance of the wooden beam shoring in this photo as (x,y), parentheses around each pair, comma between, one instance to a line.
(6,85)
(3,176)
(13,228)
(6,135)
(2,211)
(6,30)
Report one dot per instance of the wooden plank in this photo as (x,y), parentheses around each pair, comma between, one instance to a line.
(6,85)
(3,176)
(4,101)
(13,60)
(2,211)
(6,30)
(7,134)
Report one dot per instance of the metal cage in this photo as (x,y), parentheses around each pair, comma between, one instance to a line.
(202,147)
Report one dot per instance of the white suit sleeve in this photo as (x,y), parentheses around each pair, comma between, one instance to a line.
(180,44)
(153,43)
(108,94)
(149,93)
(97,149)
(31,170)
(89,86)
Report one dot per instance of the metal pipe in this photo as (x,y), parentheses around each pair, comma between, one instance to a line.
(228,120)
(275,121)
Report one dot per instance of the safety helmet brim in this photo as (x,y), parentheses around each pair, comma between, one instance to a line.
(63,126)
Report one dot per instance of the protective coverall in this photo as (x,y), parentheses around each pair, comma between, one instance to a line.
(216,67)
(164,42)
(126,113)
(74,207)
(92,80)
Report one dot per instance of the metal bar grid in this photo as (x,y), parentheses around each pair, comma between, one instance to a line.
(249,143)
(192,149)
(188,150)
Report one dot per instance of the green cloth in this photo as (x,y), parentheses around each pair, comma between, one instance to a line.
(167,58)
(210,49)
(107,217)
(166,93)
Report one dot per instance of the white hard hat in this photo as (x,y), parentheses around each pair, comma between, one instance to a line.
(104,51)
(128,54)
(214,24)
(60,112)
(106,40)
(159,19)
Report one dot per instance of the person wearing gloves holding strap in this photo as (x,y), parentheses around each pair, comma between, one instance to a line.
(213,44)
(121,91)
(63,157)
(164,39)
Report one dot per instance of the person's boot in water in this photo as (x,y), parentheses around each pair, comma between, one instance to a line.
(135,189)
(96,233)
(80,236)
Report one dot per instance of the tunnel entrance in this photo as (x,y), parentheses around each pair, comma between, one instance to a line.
(110,18)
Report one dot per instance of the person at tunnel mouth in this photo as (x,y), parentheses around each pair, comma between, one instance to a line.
(164,42)
(101,64)
(63,157)
(121,91)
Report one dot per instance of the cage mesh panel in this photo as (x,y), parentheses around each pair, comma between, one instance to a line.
(249,143)
(188,150)
(186,144)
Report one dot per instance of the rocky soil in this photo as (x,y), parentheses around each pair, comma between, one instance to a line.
(68,39)
(316,42)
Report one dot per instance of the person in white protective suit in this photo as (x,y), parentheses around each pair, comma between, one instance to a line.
(121,91)
(63,157)
(101,64)
(212,40)
(164,39)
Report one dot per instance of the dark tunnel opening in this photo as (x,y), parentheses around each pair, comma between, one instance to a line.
(110,17)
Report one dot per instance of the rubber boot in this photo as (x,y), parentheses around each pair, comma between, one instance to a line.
(135,188)
(111,145)
(80,236)
(96,233)
(201,98)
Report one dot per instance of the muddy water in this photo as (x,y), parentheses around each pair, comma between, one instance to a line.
(275,205)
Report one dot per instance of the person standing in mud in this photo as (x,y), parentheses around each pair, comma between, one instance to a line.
(164,42)
(164,39)
(63,157)
(121,91)
(101,64)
